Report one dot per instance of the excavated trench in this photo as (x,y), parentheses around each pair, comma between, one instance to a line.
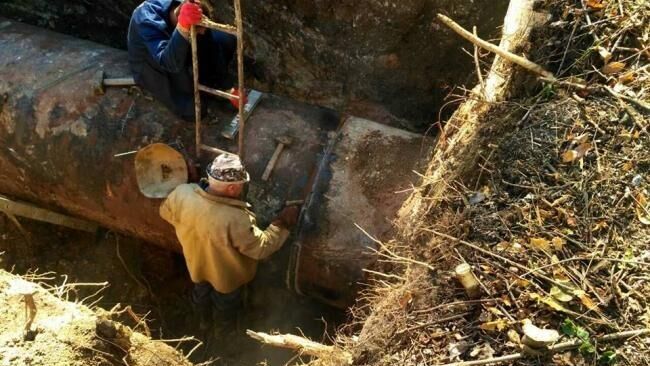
(384,61)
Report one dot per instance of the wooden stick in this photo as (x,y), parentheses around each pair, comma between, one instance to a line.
(30,211)
(240,73)
(227,28)
(30,312)
(521,61)
(215,150)
(479,74)
(300,344)
(553,349)
(197,93)
(217,92)
(271,164)
(119,82)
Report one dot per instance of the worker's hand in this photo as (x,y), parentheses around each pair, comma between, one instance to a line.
(288,217)
(189,15)
(235,102)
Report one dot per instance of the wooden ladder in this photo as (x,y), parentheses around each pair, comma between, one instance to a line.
(238,31)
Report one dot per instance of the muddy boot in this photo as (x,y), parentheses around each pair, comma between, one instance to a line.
(223,324)
(225,312)
(201,305)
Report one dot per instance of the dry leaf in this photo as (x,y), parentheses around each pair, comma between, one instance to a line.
(585,300)
(560,295)
(628,166)
(550,302)
(541,243)
(595,4)
(569,156)
(514,337)
(506,300)
(520,282)
(600,226)
(558,243)
(642,209)
(405,300)
(497,325)
(581,139)
(502,246)
(627,78)
(583,149)
(495,311)
(613,68)
(604,54)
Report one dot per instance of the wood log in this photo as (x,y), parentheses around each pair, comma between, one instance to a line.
(304,346)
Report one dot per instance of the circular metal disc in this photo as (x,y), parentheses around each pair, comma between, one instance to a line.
(159,170)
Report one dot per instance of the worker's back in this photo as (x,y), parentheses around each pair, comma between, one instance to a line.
(213,231)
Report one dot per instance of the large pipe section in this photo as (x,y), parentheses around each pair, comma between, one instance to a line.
(59,140)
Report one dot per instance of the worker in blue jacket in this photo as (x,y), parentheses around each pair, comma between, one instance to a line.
(160,53)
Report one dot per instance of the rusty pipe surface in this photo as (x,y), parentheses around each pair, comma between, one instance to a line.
(61,146)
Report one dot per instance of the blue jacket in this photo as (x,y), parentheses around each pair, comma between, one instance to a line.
(159,57)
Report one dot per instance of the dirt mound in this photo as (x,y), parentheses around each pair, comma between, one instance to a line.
(546,197)
(66,333)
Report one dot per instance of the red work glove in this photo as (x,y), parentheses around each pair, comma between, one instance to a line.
(189,15)
(235,102)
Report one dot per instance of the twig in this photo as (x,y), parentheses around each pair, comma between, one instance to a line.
(479,74)
(506,260)
(437,321)
(303,345)
(521,61)
(392,255)
(553,349)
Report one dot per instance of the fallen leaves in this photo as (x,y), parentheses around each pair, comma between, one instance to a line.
(560,295)
(541,244)
(579,152)
(555,244)
(595,4)
(495,325)
(613,68)
(642,208)
(550,302)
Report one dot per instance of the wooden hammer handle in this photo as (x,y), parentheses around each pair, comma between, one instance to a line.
(272,162)
(119,82)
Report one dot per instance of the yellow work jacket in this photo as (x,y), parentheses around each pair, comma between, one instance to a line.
(220,238)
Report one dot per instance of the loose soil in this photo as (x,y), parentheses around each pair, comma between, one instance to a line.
(155,284)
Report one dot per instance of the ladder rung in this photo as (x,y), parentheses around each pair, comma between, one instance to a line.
(217,93)
(207,23)
(214,150)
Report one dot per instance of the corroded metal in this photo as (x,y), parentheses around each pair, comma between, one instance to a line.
(363,181)
(61,145)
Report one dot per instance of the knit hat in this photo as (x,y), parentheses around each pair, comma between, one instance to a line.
(228,168)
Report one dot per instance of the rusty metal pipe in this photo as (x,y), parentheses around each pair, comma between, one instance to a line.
(62,147)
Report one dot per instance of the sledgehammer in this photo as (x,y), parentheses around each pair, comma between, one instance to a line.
(282,141)
(99,82)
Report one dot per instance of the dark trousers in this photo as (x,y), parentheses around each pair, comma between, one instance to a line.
(204,296)
(216,51)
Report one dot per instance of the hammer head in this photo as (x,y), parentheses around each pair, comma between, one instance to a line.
(98,83)
(284,140)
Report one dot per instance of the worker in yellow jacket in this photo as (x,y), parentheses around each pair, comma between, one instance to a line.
(221,241)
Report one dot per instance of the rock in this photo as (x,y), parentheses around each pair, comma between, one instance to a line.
(105,328)
(535,337)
